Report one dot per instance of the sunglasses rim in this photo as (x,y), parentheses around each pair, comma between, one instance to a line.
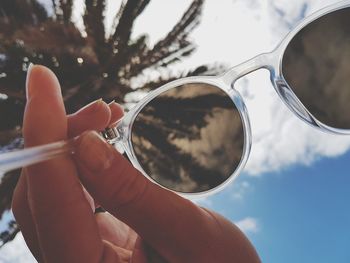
(272,61)
(285,90)
(125,128)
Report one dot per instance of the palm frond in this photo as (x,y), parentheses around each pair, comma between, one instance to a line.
(9,234)
(175,41)
(17,12)
(121,35)
(66,7)
(98,64)
(95,28)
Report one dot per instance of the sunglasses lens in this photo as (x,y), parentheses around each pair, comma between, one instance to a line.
(316,65)
(190,138)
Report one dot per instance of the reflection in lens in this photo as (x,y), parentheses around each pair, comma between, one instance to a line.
(190,138)
(316,64)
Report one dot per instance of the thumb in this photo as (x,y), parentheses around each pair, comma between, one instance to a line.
(176,228)
(63,220)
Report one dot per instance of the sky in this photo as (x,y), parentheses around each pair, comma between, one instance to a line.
(291,198)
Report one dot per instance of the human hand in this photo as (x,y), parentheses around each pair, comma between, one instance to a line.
(145,223)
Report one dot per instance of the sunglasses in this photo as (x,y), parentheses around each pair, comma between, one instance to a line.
(192,135)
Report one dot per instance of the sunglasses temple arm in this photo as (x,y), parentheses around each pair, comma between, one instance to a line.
(21,158)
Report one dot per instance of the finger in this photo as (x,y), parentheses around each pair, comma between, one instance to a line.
(115,231)
(156,214)
(117,112)
(175,228)
(23,216)
(65,224)
(94,116)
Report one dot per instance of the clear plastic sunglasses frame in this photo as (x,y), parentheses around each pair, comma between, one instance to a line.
(120,135)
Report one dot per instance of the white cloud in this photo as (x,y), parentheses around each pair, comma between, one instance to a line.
(248,225)
(16,252)
(238,190)
(157,21)
(280,139)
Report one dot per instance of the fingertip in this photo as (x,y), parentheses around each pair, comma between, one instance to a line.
(41,80)
(101,115)
(92,107)
(117,112)
(45,116)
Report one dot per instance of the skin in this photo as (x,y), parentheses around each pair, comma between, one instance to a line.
(54,201)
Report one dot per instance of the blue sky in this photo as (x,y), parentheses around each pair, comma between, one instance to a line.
(302,213)
(291,199)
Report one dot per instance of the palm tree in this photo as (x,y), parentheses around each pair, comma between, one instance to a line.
(90,63)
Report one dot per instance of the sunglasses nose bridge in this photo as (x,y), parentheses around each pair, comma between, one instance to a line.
(263,60)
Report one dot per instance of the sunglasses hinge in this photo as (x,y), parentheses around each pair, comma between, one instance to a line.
(111,135)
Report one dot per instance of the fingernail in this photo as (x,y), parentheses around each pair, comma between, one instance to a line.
(29,70)
(94,152)
(91,107)
(112,102)
(113,105)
